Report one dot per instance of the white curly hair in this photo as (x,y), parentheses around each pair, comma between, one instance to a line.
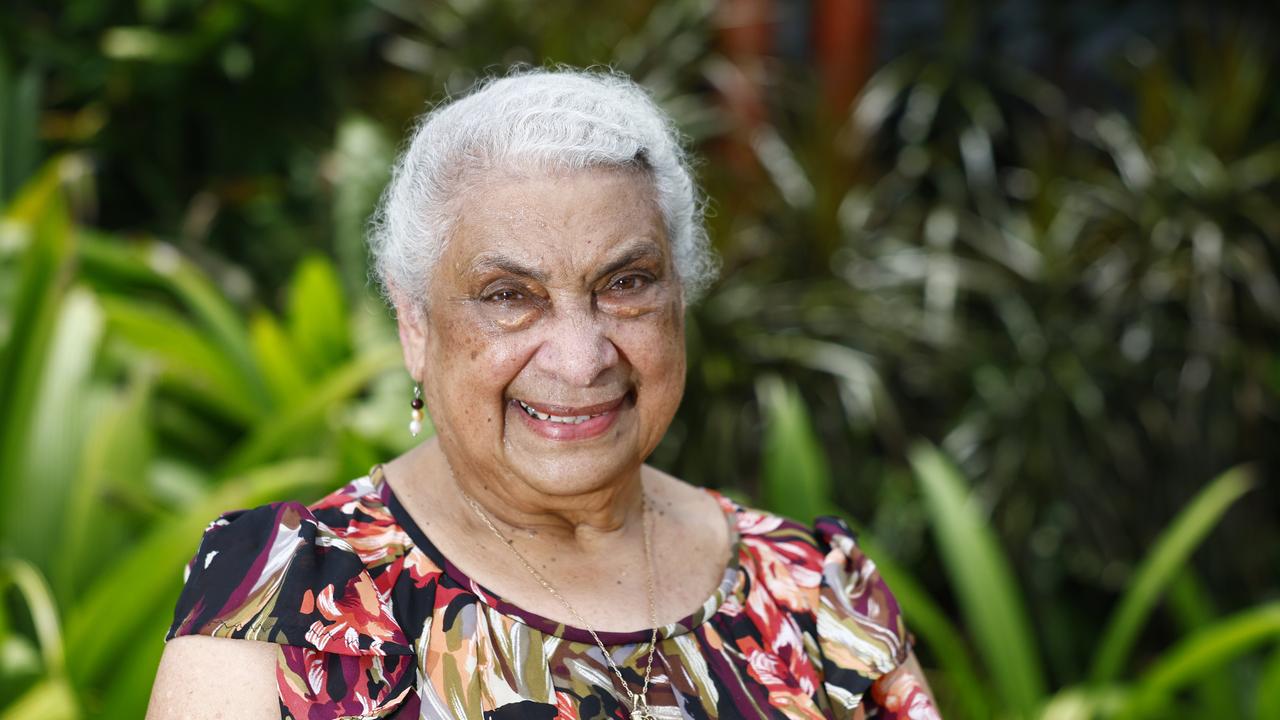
(555,120)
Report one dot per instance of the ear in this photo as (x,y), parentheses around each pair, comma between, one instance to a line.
(411,322)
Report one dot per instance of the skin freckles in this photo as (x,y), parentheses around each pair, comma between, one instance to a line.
(557,290)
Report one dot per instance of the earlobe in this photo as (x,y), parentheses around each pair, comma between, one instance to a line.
(412,327)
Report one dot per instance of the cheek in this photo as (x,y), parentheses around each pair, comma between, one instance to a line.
(659,353)
(472,367)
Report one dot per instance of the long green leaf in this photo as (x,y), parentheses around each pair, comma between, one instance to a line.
(989,599)
(278,360)
(129,689)
(118,447)
(317,317)
(45,268)
(59,420)
(796,481)
(1201,653)
(1165,560)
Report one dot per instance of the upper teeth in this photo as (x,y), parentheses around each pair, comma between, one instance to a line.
(569,419)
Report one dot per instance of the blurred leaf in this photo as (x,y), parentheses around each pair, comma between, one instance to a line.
(795,480)
(1268,700)
(44,274)
(104,623)
(363,156)
(50,699)
(1083,703)
(58,425)
(117,269)
(41,608)
(129,689)
(278,360)
(298,424)
(1190,604)
(1200,653)
(19,115)
(189,359)
(1169,554)
(118,448)
(317,317)
(984,585)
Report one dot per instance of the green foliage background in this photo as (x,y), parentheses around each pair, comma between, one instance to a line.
(1014,311)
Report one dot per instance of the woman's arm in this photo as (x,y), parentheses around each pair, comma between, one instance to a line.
(904,693)
(202,677)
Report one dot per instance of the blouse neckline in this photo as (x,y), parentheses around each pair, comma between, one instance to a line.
(732,588)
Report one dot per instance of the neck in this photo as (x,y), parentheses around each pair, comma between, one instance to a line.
(587,523)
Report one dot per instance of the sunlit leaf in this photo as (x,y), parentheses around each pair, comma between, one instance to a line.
(317,317)
(42,280)
(278,360)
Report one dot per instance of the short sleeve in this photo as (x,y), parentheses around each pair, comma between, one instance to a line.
(860,629)
(276,574)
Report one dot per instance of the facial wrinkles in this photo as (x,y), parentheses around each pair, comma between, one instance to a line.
(572,337)
(575,348)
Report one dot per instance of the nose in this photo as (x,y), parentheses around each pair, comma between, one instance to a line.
(577,349)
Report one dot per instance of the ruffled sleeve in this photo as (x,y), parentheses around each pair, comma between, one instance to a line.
(860,629)
(276,574)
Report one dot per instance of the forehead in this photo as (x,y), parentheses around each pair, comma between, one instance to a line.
(561,222)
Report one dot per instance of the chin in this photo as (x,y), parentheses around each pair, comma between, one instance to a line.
(573,473)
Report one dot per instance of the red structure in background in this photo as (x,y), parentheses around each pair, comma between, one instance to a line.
(841,48)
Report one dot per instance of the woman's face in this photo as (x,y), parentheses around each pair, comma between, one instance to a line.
(552,349)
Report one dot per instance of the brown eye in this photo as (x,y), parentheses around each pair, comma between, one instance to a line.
(505,296)
(627,283)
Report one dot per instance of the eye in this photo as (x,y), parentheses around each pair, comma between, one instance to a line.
(626,283)
(505,296)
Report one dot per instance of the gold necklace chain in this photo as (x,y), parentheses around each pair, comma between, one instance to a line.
(639,703)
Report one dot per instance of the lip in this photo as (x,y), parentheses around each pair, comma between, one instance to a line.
(568,411)
(607,414)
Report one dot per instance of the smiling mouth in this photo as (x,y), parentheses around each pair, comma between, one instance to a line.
(568,415)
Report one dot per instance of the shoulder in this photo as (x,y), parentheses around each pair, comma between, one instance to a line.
(290,573)
(821,571)
(317,581)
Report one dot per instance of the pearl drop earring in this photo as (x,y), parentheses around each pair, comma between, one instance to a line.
(415,422)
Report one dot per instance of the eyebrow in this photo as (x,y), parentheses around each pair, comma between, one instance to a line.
(632,252)
(494,261)
(636,251)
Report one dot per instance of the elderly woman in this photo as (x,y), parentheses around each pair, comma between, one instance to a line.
(540,241)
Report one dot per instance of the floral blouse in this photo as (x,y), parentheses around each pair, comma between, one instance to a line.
(372,621)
